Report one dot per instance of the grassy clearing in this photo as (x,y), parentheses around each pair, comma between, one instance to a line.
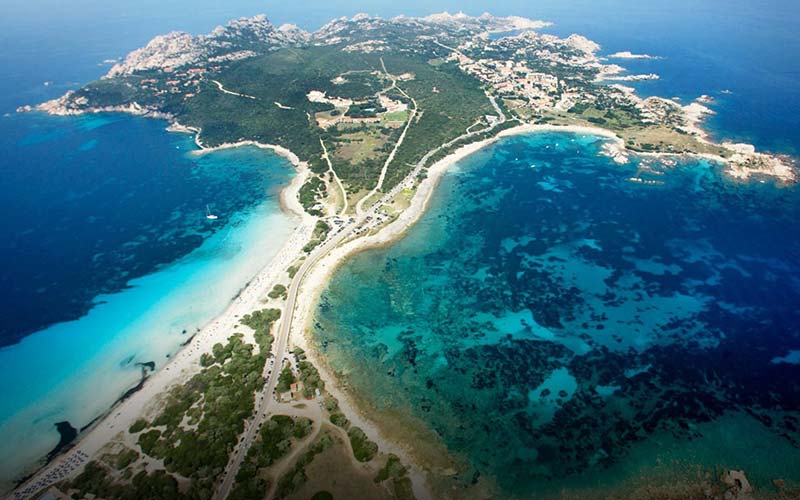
(442,115)
(363,144)
(331,472)
(275,438)
(395,117)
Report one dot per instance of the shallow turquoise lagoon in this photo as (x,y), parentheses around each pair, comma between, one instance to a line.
(113,263)
(550,318)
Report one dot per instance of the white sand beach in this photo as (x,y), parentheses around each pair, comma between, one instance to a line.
(317,279)
(186,362)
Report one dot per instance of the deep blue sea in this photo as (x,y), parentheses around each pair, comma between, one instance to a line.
(110,261)
(117,197)
(104,235)
(108,258)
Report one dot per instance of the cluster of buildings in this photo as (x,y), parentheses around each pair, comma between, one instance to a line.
(513,78)
(505,66)
(186,82)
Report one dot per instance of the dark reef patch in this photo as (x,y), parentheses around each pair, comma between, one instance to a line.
(545,321)
(67,435)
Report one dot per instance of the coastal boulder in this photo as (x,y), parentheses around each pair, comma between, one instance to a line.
(739,486)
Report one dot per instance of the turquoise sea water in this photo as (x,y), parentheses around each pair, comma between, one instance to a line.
(114,262)
(88,202)
(117,197)
(549,318)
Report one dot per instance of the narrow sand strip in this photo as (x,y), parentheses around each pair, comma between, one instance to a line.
(186,362)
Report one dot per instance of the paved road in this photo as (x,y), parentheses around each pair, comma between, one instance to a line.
(410,119)
(265,400)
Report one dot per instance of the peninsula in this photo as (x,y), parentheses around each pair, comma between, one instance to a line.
(372,112)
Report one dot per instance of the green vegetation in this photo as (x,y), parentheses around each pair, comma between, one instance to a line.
(125,458)
(363,449)
(442,115)
(276,109)
(137,426)
(206,360)
(292,270)
(485,134)
(273,442)
(309,375)
(638,136)
(217,400)
(612,116)
(261,322)
(401,483)
(285,379)
(277,291)
(148,441)
(403,488)
(360,150)
(310,194)
(395,117)
(336,416)
(294,478)
(286,76)
(96,480)
(393,469)
(322,495)
(302,428)
(367,109)
(311,245)
(338,419)
(321,231)
(358,84)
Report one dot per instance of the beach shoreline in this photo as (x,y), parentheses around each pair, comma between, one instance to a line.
(352,407)
(171,78)
(317,279)
(185,363)
(355,408)
(743,163)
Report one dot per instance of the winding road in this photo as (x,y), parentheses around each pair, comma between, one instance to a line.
(265,400)
(412,114)
(335,177)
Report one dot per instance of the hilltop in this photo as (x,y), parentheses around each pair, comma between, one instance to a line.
(376,109)
(341,97)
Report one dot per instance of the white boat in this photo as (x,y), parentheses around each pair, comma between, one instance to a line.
(209,215)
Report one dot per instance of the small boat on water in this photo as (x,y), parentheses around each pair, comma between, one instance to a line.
(209,215)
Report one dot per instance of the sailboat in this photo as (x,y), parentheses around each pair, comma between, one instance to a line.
(209,215)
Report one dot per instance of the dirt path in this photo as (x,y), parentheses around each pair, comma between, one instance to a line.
(336,177)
